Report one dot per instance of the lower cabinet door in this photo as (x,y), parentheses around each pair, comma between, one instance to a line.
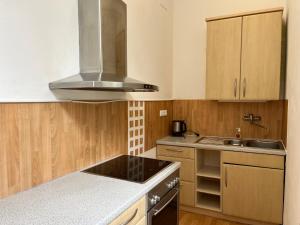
(187,193)
(253,193)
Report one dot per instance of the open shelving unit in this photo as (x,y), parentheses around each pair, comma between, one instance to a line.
(207,201)
(208,181)
(208,186)
(209,171)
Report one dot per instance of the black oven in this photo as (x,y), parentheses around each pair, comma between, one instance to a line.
(163,202)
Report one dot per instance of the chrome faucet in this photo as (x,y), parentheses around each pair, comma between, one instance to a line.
(253,119)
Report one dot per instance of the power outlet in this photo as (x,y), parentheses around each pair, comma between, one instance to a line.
(163,113)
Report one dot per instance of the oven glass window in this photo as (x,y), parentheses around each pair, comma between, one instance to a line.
(168,216)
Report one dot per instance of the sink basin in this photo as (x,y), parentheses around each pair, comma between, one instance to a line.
(251,143)
(264,144)
(277,145)
(234,142)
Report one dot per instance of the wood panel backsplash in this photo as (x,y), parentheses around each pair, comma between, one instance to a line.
(157,127)
(221,118)
(43,141)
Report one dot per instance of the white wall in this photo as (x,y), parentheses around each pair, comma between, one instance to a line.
(150,45)
(292,191)
(39,44)
(189,45)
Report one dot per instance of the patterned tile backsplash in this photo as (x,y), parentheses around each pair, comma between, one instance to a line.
(136,127)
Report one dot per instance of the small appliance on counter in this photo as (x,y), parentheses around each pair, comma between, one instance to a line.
(178,128)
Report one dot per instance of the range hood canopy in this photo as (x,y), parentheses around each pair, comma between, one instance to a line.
(103,50)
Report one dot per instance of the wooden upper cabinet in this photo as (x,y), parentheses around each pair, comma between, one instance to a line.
(244,56)
(223,59)
(261,56)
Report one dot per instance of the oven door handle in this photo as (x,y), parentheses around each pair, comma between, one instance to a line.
(157,211)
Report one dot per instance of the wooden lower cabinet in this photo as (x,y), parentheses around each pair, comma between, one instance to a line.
(253,193)
(187,193)
(186,156)
(134,215)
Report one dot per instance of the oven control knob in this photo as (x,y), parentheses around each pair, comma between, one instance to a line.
(173,183)
(153,201)
(169,185)
(157,198)
(177,180)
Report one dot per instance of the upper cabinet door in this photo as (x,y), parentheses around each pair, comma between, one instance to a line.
(261,56)
(223,59)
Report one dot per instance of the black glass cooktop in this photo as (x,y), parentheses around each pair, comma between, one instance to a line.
(130,168)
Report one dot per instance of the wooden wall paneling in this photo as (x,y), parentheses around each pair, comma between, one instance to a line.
(24,137)
(13,155)
(43,141)
(155,126)
(3,158)
(40,143)
(208,117)
(63,140)
(212,118)
(85,126)
(112,127)
(272,118)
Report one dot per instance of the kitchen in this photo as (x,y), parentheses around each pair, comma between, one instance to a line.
(225,72)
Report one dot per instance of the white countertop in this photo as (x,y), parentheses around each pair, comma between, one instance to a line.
(76,199)
(193,143)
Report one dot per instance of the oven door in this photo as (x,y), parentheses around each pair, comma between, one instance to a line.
(166,212)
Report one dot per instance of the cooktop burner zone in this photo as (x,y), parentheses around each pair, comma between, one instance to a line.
(129,168)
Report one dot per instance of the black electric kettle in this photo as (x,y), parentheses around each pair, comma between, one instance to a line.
(178,128)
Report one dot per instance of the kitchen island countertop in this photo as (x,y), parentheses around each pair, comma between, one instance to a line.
(76,199)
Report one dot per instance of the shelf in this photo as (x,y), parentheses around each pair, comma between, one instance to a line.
(209,186)
(209,171)
(207,201)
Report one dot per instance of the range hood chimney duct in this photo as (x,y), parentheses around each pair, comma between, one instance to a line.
(103,50)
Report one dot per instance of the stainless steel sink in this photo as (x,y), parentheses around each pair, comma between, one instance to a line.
(234,142)
(265,144)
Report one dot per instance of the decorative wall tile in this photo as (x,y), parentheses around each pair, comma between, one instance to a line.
(136,129)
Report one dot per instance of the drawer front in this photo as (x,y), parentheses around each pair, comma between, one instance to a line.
(142,222)
(175,151)
(187,169)
(133,214)
(252,159)
(187,193)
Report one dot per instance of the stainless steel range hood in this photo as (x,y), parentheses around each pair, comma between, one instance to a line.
(103,50)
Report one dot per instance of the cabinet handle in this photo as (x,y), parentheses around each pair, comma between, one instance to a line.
(235,87)
(131,218)
(244,87)
(226,179)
